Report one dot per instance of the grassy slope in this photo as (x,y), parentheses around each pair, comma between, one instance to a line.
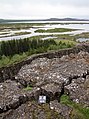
(78,112)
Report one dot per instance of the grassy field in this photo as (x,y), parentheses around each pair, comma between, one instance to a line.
(21,33)
(17,26)
(59,37)
(83,35)
(54,30)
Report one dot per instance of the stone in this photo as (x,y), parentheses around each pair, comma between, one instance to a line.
(61,109)
(77,91)
(53,89)
(31,110)
(11,96)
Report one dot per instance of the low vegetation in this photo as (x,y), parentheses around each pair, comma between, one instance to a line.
(28,88)
(54,30)
(21,33)
(16,50)
(16,26)
(78,112)
(15,34)
(83,35)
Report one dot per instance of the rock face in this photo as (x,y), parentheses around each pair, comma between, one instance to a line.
(51,77)
(11,96)
(61,109)
(44,70)
(32,110)
(10,71)
(77,92)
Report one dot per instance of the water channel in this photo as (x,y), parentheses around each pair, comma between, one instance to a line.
(82,26)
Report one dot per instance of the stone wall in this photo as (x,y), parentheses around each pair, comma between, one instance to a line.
(10,71)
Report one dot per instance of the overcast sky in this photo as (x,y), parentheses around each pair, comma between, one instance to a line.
(35,9)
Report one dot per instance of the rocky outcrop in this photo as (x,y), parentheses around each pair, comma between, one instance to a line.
(62,109)
(43,70)
(51,75)
(77,91)
(10,71)
(31,110)
(11,96)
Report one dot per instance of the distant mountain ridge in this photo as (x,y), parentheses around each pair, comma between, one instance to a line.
(51,19)
(67,19)
(1,19)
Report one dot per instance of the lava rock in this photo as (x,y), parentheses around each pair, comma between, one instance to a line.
(11,96)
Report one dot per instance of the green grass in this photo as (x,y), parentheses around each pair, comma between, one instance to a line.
(78,112)
(66,41)
(28,88)
(54,30)
(83,35)
(62,44)
(6,60)
(60,37)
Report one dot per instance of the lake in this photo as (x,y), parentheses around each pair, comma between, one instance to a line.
(82,26)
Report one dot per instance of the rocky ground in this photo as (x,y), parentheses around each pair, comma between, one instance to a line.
(53,78)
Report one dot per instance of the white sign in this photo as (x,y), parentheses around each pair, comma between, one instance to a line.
(42,99)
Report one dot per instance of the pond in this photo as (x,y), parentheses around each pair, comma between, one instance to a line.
(83,39)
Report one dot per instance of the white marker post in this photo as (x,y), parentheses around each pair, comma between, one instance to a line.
(42,99)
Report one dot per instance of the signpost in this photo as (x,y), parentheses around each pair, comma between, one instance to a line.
(42,99)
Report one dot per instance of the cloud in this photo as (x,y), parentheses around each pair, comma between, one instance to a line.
(29,9)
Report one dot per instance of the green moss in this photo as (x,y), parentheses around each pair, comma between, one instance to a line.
(79,112)
(28,88)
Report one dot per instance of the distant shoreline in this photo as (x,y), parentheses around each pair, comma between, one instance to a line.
(51,19)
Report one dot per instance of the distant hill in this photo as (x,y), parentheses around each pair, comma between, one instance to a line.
(51,19)
(1,20)
(67,19)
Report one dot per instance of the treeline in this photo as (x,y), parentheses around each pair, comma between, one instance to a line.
(30,45)
(16,50)
(12,47)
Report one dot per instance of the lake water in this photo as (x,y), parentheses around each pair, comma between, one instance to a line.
(83,39)
(84,27)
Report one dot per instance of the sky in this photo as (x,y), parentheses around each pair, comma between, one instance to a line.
(42,9)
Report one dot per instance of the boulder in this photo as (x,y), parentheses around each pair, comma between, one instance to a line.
(11,96)
(77,91)
(53,90)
